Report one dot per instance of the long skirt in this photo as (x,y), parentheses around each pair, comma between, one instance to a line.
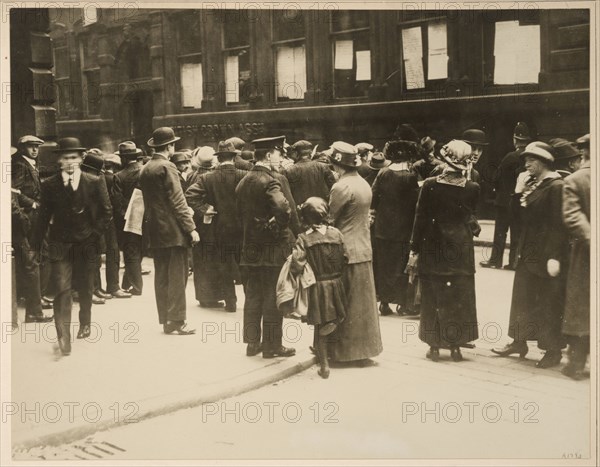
(391,282)
(448,310)
(536,310)
(357,337)
(213,275)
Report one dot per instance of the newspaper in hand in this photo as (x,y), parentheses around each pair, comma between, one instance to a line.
(134,216)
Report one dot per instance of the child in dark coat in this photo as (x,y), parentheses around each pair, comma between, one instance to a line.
(322,247)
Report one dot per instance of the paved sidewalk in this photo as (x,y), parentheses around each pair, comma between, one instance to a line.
(128,370)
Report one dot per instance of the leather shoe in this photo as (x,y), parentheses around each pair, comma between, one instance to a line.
(133,291)
(64,345)
(573,372)
(280,352)
(455,354)
(385,309)
(551,358)
(180,329)
(509,267)
(145,272)
(46,305)
(98,300)
(120,294)
(514,347)
(253,349)
(84,332)
(323,372)
(231,307)
(38,319)
(211,304)
(489,264)
(433,354)
(101,294)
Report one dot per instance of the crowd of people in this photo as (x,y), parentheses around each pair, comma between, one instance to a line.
(318,234)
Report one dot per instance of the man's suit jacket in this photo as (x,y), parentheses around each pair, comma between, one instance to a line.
(26,179)
(168,221)
(115,194)
(505,177)
(217,189)
(309,178)
(128,179)
(56,209)
(260,199)
(294,224)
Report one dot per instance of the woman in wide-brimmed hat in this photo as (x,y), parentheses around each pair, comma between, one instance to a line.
(539,286)
(395,193)
(443,256)
(358,337)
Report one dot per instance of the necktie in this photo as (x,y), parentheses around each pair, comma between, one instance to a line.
(70,185)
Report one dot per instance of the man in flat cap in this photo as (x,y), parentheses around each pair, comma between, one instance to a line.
(80,210)
(239,145)
(577,218)
(130,243)
(213,199)
(265,214)
(171,231)
(505,180)
(27,191)
(307,177)
(365,151)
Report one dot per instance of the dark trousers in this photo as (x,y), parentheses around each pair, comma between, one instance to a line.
(170,279)
(113,259)
(260,304)
(70,261)
(28,273)
(132,256)
(505,220)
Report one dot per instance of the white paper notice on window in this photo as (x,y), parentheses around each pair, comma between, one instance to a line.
(412,43)
(232,85)
(516,53)
(363,65)
(285,70)
(415,78)
(412,47)
(344,54)
(191,85)
(438,51)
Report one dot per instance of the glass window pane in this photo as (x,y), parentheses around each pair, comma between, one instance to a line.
(352,65)
(237,77)
(514,63)
(288,24)
(349,19)
(188,33)
(92,91)
(236,31)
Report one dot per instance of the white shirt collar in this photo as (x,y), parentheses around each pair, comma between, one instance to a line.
(75,177)
(31,161)
(263,164)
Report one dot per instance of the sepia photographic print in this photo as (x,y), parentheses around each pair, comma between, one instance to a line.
(299,233)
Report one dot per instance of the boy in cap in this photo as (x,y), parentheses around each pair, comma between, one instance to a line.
(26,187)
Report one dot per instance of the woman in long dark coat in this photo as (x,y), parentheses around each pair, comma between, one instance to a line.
(395,193)
(358,337)
(539,286)
(442,249)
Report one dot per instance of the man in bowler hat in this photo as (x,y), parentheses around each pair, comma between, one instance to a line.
(265,214)
(171,231)
(80,210)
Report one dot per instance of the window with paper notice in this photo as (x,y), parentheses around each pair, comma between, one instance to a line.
(424,54)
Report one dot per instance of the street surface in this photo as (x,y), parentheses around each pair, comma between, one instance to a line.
(404,407)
